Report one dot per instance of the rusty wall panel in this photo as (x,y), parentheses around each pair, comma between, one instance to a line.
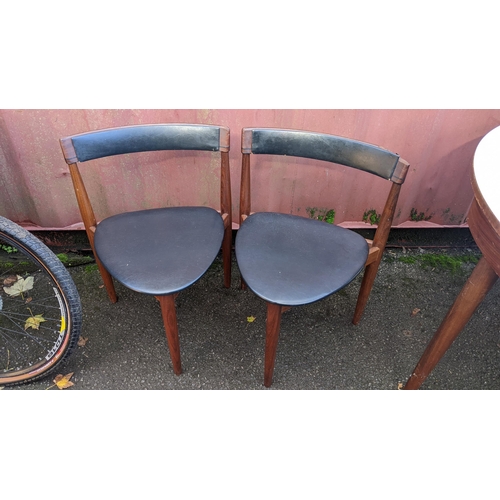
(35,188)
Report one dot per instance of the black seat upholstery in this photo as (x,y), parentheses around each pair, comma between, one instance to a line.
(289,260)
(171,249)
(158,251)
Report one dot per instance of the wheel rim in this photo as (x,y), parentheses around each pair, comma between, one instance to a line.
(33,315)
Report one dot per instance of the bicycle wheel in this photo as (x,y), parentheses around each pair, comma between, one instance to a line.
(40,309)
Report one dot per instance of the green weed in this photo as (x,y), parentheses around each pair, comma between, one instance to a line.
(329,217)
(90,268)
(8,249)
(323,214)
(440,262)
(407,259)
(371,216)
(63,257)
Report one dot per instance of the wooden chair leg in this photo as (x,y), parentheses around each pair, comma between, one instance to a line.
(379,242)
(226,255)
(475,289)
(366,287)
(272,333)
(107,280)
(167,304)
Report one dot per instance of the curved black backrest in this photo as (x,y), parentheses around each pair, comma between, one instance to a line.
(304,144)
(139,138)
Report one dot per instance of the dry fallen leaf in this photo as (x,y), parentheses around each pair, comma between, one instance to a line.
(34,322)
(20,286)
(63,382)
(10,280)
(415,311)
(400,386)
(82,341)
(250,319)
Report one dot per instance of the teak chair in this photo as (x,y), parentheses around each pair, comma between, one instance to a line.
(289,260)
(159,251)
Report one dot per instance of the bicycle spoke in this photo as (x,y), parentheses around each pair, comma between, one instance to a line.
(16,353)
(26,316)
(40,318)
(16,347)
(21,353)
(22,332)
(38,301)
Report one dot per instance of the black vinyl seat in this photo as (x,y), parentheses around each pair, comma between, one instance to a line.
(171,249)
(159,251)
(289,260)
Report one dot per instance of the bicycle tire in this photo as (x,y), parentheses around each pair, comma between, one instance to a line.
(40,308)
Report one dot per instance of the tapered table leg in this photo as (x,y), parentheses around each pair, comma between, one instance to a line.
(475,289)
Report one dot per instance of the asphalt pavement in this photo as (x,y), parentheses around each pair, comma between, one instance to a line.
(222,331)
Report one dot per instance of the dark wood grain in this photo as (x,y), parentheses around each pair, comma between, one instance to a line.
(272,334)
(226,212)
(485,229)
(375,257)
(89,221)
(167,305)
(478,285)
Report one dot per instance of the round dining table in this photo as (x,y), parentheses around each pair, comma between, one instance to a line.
(484,225)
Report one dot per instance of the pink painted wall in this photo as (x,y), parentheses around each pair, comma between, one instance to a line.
(36,190)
